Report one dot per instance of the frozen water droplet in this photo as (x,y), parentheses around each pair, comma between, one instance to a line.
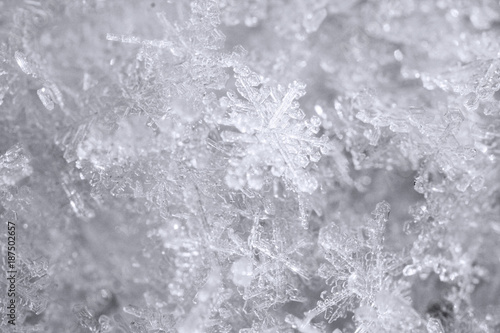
(319,110)
(398,55)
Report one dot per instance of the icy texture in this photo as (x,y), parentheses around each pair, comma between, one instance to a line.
(251,166)
(14,165)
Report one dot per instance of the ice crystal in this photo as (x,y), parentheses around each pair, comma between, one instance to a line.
(269,122)
(210,166)
(359,268)
(150,320)
(14,165)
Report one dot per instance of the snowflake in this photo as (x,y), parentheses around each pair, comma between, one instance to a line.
(357,269)
(267,125)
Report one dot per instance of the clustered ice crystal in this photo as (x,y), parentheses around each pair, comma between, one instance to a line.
(251,166)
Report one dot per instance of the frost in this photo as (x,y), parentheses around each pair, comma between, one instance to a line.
(23,63)
(45,98)
(14,165)
(434,326)
(149,320)
(358,269)
(210,166)
(33,284)
(269,124)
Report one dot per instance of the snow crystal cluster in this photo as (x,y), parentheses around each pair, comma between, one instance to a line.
(250,166)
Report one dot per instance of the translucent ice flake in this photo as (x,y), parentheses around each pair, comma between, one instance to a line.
(353,267)
(223,197)
(14,165)
(76,200)
(454,117)
(270,277)
(295,91)
(149,319)
(85,318)
(270,128)
(24,63)
(45,98)
(50,95)
(33,283)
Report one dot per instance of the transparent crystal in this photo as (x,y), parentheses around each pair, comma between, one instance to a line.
(211,165)
(14,165)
